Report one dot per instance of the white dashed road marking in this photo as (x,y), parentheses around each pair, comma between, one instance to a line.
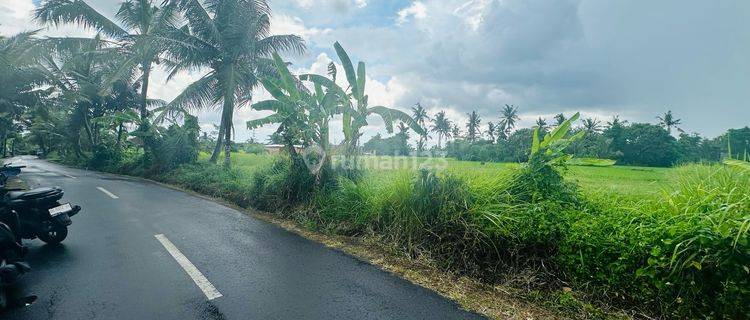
(110,194)
(67,175)
(208,289)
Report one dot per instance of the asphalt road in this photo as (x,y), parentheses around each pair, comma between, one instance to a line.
(142,251)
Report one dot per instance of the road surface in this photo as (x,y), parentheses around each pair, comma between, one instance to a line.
(142,251)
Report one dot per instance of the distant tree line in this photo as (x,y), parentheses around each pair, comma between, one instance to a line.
(642,144)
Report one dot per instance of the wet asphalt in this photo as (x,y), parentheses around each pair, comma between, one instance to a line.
(111,266)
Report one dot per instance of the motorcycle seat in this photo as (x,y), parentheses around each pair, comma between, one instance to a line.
(37,193)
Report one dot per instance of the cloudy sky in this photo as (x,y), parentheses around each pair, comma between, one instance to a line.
(636,59)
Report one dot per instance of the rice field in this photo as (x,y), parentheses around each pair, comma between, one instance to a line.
(620,180)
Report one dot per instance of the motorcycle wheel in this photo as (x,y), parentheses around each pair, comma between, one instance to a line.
(54,234)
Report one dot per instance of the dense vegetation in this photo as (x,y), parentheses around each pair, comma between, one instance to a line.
(680,250)
(641,144)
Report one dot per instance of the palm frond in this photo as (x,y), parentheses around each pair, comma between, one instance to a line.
(58,12)
(390,115)
(281,43)
(198,95)
(200,21)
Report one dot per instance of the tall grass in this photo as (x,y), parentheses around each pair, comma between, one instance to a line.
(679,253)
(702,260)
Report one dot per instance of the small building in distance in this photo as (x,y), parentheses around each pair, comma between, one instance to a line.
(278,148)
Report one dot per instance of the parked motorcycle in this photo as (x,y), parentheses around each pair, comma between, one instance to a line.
(40,212)
(12,266)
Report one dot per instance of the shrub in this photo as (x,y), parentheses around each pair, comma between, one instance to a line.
(699,263)
(283,185)
(684,254)
(105,157)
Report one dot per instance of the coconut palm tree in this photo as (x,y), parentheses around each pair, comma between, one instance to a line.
(231,39)
(559,119)
(509,118)
(442,126)
(500,131)
(419,114)
(20,79)
(403,139)
(542,124)
(616,122)
(491,131)
(138,35)
(592,126)
(668,121)
(472,126)
(455,132)
(79,70)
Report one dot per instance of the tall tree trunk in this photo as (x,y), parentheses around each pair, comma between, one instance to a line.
(143,108)
(119,136)
(143,127)
(87,126)
(79,152)
(227,115)
(228,147)
(219,141)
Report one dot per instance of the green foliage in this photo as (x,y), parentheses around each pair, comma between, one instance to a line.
(539,179)
(648,145)
(283,185)
(105,158)
(702,265)
(234,44)
(179,145)
(684,253)
(735,143)
(739,164)
(354,106)
(516,148)
(394,145)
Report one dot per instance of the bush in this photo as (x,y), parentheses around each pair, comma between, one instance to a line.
(285,184)
(684,254)
(105,158)
(700,265)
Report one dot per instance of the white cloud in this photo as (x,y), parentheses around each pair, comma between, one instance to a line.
(341,5)
(17,16)
(417,10)
(285,24)
(543,56)
(14,16)
(473,12)
(305,3)
(360,3)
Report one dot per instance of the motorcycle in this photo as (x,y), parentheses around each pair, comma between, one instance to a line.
(12,267)
(40,213)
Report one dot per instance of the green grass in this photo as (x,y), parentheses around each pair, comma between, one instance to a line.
(246,163)
(620,180)
(672,241)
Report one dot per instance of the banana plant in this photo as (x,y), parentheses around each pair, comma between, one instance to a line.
(354,103)
(551,149)
(302,116)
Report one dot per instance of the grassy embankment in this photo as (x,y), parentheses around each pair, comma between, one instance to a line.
(661,242)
